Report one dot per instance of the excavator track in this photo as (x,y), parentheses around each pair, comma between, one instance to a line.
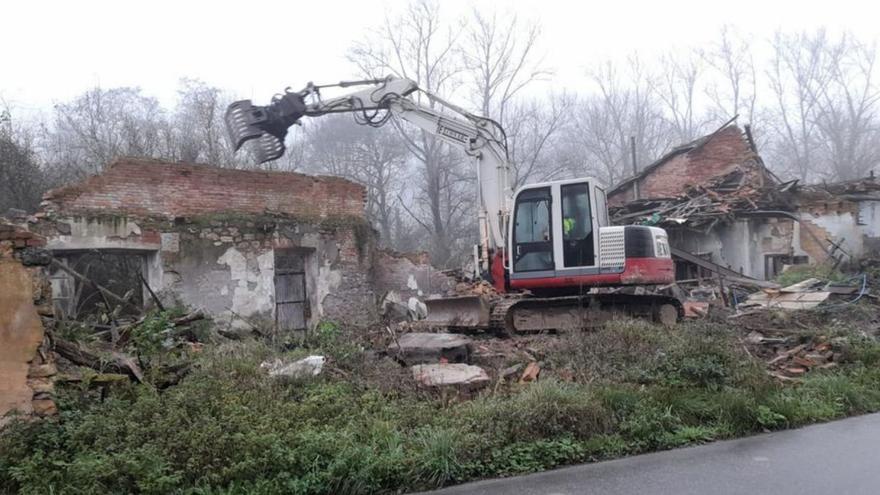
(499,317)
(515,315)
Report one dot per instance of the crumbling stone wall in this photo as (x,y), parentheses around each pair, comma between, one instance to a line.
(225,264)
(26,365)
(210,235)
(835,220)
(411,275)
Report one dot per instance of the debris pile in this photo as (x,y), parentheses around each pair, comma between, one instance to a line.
(786,359)
(808,294)
(475,288)
(702,205)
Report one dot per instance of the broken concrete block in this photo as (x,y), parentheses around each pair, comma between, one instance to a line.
(304,368)
(420,348)
(454,374)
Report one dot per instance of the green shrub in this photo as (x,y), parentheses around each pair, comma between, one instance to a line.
(863,350)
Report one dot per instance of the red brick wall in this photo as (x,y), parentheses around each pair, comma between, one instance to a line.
(155,188)
(719,156)
(16,237)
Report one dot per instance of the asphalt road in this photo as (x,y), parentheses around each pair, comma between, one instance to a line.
(840,458)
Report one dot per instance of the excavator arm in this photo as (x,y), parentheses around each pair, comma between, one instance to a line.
(479,137)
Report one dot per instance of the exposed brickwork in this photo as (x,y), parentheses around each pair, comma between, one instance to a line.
(15,237)
(813,241)
(154,188)
(721,154)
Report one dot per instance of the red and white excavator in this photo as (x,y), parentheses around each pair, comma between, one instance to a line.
(547,248)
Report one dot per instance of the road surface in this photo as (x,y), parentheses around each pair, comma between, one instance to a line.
(836,458)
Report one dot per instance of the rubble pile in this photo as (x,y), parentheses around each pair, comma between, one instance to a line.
(703,205)
(808,294)
(787,359)
(475,288)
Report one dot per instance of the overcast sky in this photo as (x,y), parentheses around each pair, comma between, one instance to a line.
(51,51)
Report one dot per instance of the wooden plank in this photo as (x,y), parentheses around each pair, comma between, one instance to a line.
(727,273)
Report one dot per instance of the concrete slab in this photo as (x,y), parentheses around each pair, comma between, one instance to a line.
(421,348)
(452,375)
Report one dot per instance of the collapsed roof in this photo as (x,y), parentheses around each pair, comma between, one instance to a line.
(699,184)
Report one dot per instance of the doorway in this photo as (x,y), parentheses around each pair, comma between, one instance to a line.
(291,295)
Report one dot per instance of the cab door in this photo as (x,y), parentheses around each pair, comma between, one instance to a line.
(533,231)
(577,226)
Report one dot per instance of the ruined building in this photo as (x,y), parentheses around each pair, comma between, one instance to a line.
(249,247)
(721,205)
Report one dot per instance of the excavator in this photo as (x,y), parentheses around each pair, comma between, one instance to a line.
(547,248)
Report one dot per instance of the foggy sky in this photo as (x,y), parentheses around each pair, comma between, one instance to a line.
(54,50)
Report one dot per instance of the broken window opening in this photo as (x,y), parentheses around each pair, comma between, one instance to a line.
(120,272)
(685,270)
(869,213)
(774,264)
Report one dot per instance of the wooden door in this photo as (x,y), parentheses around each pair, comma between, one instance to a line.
(291,300)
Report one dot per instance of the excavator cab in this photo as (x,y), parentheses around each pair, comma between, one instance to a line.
(549,234)
(560,241)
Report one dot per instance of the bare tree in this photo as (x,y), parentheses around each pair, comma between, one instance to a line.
(100,125)
(677,89)
(198,121)
(846,110)
(501,59)
(22,181)
(375,158)
(736,91)
(420,46)
(797,73)
(624,106)
(535,131)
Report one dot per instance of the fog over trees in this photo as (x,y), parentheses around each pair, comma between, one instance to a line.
(810,97)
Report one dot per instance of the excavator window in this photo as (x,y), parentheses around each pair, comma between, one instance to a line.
(577,226)
(533,235)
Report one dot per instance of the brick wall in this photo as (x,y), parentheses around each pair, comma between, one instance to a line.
(720,155)
(155,188)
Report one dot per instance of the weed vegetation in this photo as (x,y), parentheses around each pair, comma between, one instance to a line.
(361,427)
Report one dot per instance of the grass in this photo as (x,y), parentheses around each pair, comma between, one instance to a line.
(227,428)
(799,273)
